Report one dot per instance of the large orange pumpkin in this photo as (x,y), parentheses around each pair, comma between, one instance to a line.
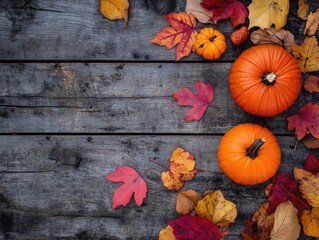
(249,154)
(265,80)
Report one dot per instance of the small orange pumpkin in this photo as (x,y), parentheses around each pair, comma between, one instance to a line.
(265,80)
(210,43)
(249,154)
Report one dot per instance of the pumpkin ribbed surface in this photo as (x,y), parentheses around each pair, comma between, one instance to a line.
(241,168)
(265,80)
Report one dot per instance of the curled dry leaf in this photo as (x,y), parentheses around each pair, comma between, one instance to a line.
(114,9)
(312,163)
(201,14)
(312,23)
(307,54)
(270,35)
(309,185)
(303,9)
(217,209)
(267,12)
(166,234)
(310,222)
(286,226)
(186,201)
(239,36)
(310,141)
(312,84)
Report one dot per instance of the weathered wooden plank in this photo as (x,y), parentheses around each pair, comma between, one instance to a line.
(119,98)
(76,30)
(42,198)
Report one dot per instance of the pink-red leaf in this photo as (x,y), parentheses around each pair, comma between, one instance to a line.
(222,9)
(193,227)
(305,121)
(199,102)
(133,183)
(312,163)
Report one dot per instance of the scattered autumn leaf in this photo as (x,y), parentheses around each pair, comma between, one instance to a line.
(303,9)
(312,163)
(182,169)
(312,84)
(312,23)
(286,225)
(181,34)
(199,102)
(307,54)
(238,36)
(114,9)
(310,141)
(270,35)
(217,209)
(186,201)
(285,188)
(132,183)
(201,14)
(309,185)
(222,9)
(264,13)
(194,227)
(166,234)
(310,222)
(305,121)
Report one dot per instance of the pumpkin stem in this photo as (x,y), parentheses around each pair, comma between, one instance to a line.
(212,38)
(253,149)
(269,78)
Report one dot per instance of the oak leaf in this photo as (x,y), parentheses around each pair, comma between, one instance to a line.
(182,169)
(307,54)
(286,225)
(181,34)
(309,185)
(217,209)
(312,163)
(312,23)
(310,222)
(264,13)
(270,35)
(303,9)
(186,201)
(114,9)
(194,227)
(166,234)
(133,183)
(222,9)
(201,14)
(199,101)
(305,121)
(312,84)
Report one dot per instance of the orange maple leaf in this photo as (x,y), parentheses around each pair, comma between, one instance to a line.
(181,34)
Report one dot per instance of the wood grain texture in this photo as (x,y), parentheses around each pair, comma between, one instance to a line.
(42,198)
(120,98)
(75,30)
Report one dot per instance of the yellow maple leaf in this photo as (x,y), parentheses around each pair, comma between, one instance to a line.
(114,9)
(166,233)
(303,9)
(186,201)
(310,222)
(309,185)
(307,54)
(312,23)
(264,13)
(217,209)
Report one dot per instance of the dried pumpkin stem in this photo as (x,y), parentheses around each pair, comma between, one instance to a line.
(252,151)
(212,38)
(269,78)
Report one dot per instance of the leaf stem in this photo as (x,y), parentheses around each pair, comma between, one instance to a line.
(153,160)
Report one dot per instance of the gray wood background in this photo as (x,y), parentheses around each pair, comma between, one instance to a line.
(81,95)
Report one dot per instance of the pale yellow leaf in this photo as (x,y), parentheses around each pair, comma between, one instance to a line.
(286,226)
(303,9)
(200,13)
(114,9)
(312,23)
(310,222)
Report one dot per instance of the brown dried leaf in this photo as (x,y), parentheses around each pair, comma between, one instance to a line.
(312,23)
(186,201)
(312,84)
(270,35)
(310,141)
(265,222)
(166,233)
(201,14)
(303,9)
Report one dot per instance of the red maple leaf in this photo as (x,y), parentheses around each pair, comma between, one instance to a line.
(312,163)
(305,121)
(193,227)
(132,183)
(200,101)
(181,34)
(285,188)
(222,9)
